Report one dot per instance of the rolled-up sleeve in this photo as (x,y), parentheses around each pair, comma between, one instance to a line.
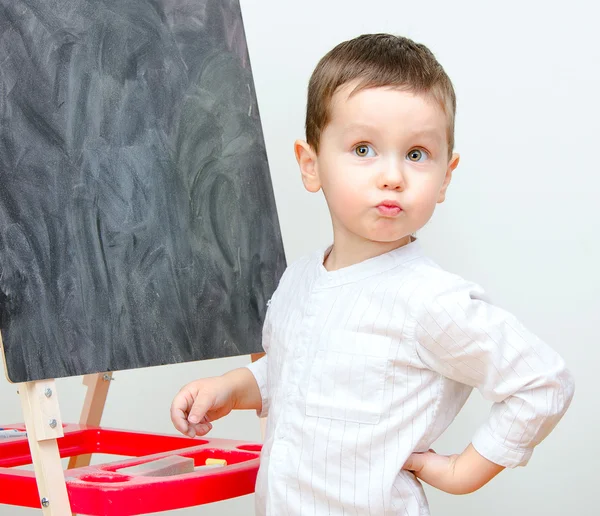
(463,337)
(260,371)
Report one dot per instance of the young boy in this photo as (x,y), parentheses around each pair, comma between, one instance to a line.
(371,348)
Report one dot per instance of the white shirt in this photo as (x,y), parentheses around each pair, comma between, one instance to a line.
(372,362)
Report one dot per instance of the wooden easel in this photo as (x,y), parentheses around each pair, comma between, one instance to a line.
(93,407)
(41,412)
(44,426)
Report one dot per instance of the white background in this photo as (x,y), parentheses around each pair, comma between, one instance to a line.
(520,217)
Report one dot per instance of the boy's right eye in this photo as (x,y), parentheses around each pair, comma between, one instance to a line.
(364,151)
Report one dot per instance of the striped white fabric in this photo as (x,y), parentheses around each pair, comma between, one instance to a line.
(371,362)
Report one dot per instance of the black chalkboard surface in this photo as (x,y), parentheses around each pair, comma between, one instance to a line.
(137,220)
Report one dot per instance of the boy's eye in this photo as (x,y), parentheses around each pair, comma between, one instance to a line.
(417,155)
(364,151)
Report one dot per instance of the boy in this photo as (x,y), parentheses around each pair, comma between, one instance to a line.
(371,348)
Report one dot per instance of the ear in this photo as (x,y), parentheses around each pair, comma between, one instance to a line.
(307,160)
(452,164)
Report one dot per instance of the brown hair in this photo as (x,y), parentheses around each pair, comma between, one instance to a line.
(377,60)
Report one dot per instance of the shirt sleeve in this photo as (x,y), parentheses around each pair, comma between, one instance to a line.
(463,337)
(260,368)
(260,371)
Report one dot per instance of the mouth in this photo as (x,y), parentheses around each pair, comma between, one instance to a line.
(389,208)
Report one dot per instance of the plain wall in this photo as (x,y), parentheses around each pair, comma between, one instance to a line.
(520,216)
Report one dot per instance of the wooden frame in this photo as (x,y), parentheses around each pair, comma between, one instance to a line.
(93,407)
(44,425)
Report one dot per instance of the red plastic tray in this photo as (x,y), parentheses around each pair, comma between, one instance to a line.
(101,490)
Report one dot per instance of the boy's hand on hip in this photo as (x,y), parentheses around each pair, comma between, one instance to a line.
(455,474)
(436,470)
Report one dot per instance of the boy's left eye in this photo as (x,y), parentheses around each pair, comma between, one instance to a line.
(417,155)
(364,151)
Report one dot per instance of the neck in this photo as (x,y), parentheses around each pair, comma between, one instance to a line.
(346,252)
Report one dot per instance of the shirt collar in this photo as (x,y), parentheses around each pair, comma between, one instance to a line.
(366,268)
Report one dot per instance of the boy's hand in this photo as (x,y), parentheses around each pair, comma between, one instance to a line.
(455,474)
(199,403)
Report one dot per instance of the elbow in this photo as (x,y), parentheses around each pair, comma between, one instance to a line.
(562,387)
(554,394)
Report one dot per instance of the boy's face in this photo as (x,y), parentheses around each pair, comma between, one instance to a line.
(382,165)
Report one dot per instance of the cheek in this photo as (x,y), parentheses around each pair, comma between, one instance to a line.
(344,190)
(424,196)
(343,198)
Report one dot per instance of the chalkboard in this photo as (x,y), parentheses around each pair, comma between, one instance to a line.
(138,225)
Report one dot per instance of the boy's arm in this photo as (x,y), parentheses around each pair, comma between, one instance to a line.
(246,393)
(455,474)
(464,338)
(203,401)
(200,402)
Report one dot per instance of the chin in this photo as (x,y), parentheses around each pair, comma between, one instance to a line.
(382,239)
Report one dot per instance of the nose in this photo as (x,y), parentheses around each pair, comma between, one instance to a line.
(392,175)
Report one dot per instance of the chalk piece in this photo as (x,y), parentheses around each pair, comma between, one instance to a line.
(214,462)
(169,466)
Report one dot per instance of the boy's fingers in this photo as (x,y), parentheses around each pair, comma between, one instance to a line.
(201,428)
(179,418)
(189,412)
(205,428)
(199,410)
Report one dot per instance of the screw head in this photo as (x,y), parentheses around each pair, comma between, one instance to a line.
(53,423)
(48,392)
(45,502)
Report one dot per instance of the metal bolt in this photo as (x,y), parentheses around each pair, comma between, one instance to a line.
(107,377)
(52,423)
(48,392)
(45,502)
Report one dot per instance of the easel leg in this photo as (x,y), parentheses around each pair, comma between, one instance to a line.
(44,426)
(93,406)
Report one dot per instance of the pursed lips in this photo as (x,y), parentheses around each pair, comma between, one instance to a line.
(389,208)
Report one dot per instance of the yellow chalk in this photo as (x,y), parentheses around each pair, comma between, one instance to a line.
(213,462)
